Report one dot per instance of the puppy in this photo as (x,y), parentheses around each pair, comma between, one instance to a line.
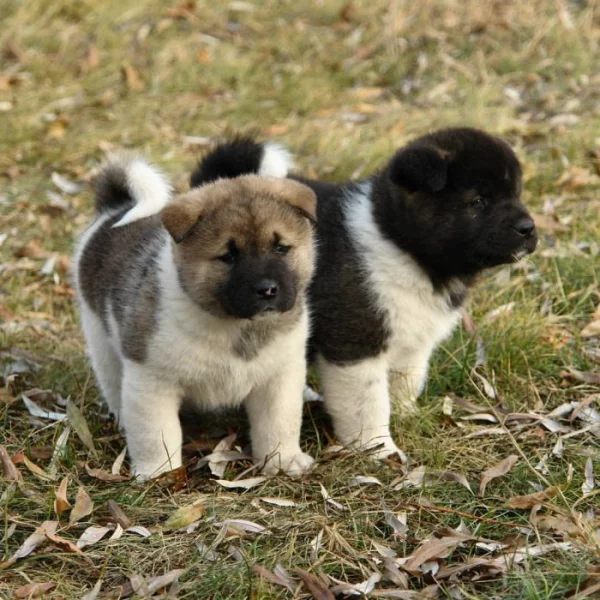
(201,297)
(398,253)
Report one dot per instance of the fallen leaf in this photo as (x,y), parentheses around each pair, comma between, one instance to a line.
(394,574)
(92,535)
(244,484)
(119,515)
(396,523)
(157,583)
(363,480)
(37,538)
(80,426)
(431,549)
(315,586)
(592,329)
(103,475)
(279,502)
(498,470)
(38,411)
(242,525)
(132,78)
(33,590)
(589,483)
(206,552)
(10,470)
(65,185)
(328,499)
(457,477)
(83,506)
(94,592)
(384,551)
(37,471)
(530,500)
(183,516)
(585,376)
(357,589)
(59,449)
(116,467)
(271,577)
(139,530)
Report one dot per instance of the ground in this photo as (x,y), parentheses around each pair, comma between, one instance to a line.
(343,84)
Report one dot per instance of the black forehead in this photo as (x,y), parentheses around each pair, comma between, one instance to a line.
(478,160)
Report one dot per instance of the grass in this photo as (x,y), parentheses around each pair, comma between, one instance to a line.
(343,84)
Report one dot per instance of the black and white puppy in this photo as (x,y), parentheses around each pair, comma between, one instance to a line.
(398,252)
(200,297)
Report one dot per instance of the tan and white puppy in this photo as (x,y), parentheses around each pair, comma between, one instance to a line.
(201,298)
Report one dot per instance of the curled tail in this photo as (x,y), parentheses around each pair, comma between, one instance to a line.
(242,156)
(127,181)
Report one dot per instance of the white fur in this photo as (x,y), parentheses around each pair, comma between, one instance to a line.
(276,161)
(357,396)
(190,355)
(147,185)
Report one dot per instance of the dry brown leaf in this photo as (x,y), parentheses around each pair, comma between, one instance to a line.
(271,577)
(37,471)
(132,77)
(33,590)
(184,516)
(432,549)
(91,536)
(498,470)
(65,544)
(316,587)
(589,483)
(37,538)
(585,376)
(591,329)
(103,475)
(530,500)
(83,506)
(119,515)
(61,503)
(10,470)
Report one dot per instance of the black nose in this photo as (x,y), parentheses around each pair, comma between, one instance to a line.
(524,226)
(266,288)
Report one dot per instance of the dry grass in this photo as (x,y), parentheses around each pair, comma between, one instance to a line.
(344,84)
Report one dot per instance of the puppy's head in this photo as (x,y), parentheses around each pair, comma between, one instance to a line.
(459,193)
(243,247)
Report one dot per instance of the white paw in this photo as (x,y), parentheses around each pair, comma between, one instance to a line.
(310,395)
(384,448)
(144,472)
(294,464)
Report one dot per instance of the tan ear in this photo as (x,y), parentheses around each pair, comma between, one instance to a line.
(298,195)
(180,217)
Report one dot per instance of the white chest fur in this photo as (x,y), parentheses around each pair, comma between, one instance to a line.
(419,318)
(201,358)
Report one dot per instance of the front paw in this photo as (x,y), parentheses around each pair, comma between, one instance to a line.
(293,464)
(384,448)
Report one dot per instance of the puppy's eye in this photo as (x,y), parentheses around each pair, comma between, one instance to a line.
(281,249)
(229,258)
(231,255)
(478,202)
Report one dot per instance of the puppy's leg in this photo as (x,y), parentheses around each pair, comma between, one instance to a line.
(356,396)
(407,380)
(105,360)
(150,415)
(275,414)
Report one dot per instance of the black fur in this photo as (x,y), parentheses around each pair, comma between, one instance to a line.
(239,156)
(449,199)
(111,190)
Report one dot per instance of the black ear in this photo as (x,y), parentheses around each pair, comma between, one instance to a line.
(419,169)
